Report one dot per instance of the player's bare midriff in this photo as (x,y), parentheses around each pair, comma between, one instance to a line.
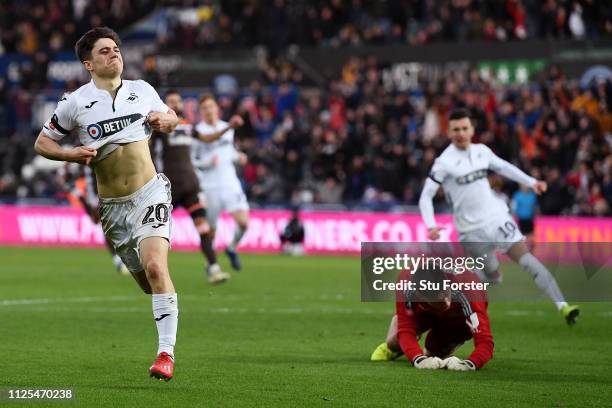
(126,170)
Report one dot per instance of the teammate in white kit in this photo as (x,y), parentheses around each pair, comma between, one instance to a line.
(214,158)
(114,119)
(483,220)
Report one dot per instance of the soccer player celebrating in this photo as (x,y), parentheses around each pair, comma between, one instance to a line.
(114,119)
(482,220)
(175,150)
(214,157)
(449,317)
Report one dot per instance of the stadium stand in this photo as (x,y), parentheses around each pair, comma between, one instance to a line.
(352,141)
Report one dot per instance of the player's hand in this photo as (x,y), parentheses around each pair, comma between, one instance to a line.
(427,363)
(95,215)
(540,187)
(434,233)
(214,161)
(236,121)
(163,122)
(81,154)
(242,159)
(456,364)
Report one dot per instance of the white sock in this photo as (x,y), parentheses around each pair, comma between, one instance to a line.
(165,312)
(494,279)
(117,261)
(213,269)
(238,233)
(543,279)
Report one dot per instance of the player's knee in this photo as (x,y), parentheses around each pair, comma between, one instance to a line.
(393,342)
(155,269)
(243,223)
(202,226)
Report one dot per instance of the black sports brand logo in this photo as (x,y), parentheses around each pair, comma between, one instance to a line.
(91,104)
(157,319)
(133,98)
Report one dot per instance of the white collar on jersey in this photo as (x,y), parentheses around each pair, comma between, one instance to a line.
(104,91)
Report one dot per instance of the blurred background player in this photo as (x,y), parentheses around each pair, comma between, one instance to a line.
(449,317)
(292,238)
(524,206)
(174,152)
(85,192)
(483,220)
(215,157)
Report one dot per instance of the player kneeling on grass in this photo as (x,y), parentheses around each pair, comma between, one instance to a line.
(448,317)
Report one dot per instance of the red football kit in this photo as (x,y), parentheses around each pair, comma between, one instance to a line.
(464,320)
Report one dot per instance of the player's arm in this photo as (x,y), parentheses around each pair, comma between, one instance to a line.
(49,148)
(510,171)
(406,333)
(239,158)
(483,339)
(234,123)
(164,122)
(432,184)
(55,129)
(483,342)
(160,117)
(407,338)
(206,163)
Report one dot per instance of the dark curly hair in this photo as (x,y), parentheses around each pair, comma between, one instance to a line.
(86,43)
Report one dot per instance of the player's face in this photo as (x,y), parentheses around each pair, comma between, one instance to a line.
(461,132)
(437,302)
(439,307)
(209,110)
(175,102)
(106,60)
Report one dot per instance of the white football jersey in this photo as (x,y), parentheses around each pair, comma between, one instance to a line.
(222,175)
(463,176)
(102,122)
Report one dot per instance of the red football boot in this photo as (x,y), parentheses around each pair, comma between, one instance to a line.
(163,368)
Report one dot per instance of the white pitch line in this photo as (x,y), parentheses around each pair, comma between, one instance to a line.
(93,299)
(524,313)
(48,302)
(262,310)
(84,299)
(212,310)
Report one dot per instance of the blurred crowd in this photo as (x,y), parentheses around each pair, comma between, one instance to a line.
(358,142)
(354,140)
(279,23)
(31,26)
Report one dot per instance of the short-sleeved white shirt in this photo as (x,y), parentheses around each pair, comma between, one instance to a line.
(463,176)
(102,122)
(223,174)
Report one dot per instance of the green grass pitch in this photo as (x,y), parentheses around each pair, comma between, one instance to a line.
(284,332)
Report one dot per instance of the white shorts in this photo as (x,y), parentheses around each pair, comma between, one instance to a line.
(224,199)
(499,235)
(128,220)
